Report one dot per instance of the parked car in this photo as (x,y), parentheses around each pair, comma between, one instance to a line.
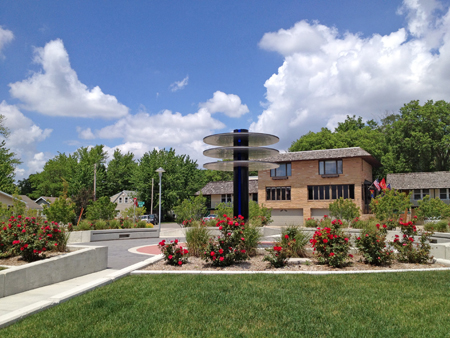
(209,217)
(151,218)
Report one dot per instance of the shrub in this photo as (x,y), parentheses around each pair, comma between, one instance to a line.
(85,225)
(187,222)
(277,257)
(100,224)
(197,239)
(439,226)
(311,223)
(26,237)
(372,245)
(141,224)
(114,224)
(191,209)
(331,246)
(149,225)
(208,223)
(389,206)
(432,208)
(252,237)
(294,241)
(229,247)
(126,223)
(408,250)
(173,253)
(344,209)
(259,213)
(103,208)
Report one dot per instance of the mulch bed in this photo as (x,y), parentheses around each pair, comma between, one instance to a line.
(256,263)
(17,261)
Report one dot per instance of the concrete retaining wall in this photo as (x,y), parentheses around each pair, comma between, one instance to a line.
(112,234)
(82,261)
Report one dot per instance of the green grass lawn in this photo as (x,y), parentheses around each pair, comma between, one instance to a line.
(412,304)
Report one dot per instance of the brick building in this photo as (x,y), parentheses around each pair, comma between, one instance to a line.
(308,181)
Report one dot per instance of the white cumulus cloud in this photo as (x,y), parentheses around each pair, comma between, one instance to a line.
(229,104)
(177,85)
(23,138)
(57,91)
(85,134)
(326,76)
(5,37)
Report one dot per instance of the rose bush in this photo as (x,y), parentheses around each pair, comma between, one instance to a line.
(409,249)
(372,245)
(278,256)
(229,247)
(174,254)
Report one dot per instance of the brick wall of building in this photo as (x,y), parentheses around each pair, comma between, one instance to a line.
(304,173)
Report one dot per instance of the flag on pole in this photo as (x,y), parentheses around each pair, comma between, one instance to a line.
(135,201)
(383,184)
(371,193)
(389,186)
(376,184)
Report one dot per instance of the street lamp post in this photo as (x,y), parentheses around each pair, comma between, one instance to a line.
(160,171)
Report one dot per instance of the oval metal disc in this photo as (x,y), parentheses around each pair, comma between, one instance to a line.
(254,139)
(254,153)
(230,165)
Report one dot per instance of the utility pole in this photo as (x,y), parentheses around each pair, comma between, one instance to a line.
(151,205)
(95,181)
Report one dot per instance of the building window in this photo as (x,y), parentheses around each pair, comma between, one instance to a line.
(254,197)
(421,193)
(283,170)
(120,199)
(327,192)
(126,199)
(333,167)
(443,194)
(226,198)
(278,193)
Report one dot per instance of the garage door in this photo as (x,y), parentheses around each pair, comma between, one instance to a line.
(319,213)
(282,217)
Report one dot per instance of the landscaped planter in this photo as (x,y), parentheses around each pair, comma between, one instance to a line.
(80,261)
(111,234)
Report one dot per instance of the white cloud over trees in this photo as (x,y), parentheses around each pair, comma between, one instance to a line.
(327,75)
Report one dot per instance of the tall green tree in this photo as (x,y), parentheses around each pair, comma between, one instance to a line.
(419,138)
(120,171)
(8,161)
(180,180)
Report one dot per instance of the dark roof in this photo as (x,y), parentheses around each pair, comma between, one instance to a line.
(226,187)
(30,203)
(435,180)
(324,154)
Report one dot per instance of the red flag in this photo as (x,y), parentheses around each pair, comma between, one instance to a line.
(135,201)
(383,184)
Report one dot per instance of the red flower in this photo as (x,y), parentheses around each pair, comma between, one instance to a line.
(325,240)
(242,238)
(286,236)
(358,238)
(350,255)
(220,228)
(170,257)
(180,262)
(221,251)
(243,251)
(176,241)
(384,226)
(346,239)
(24,230)
(185,251)
(25,246)
(332,254)
(21,249)
(56,244)
(212,253)
(221,259)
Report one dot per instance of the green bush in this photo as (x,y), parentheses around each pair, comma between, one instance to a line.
(114,224)
(410,250)
(259,213)
(141,224)
(197,238)
(439,226)
(126,223)
(331,246)
(103,208)
(85,225)
(100,224)
(252,237)
(344,209)
(277,256)
(432,208)
(294,240)
(390,206)
(372,245)
(311,223)
(193,208)
(173,253)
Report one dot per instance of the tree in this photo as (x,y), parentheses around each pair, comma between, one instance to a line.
(82,200)
(181,179)
(103,208)
(432,208)
(192,208)
(419,138)
(390,205)
(120,172)
(61,210)
(8,162)
(133,212)
(25,186)
(344,209)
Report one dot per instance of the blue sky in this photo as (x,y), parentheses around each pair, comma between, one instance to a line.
(141,75)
